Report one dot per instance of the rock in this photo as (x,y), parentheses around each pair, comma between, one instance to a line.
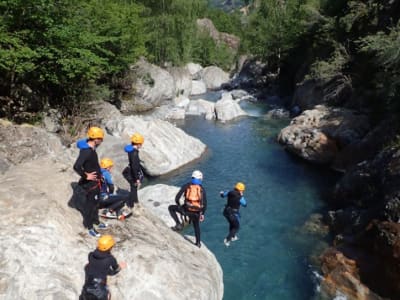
(201,107)
(45,250)
(165,149)
(157,198)
(214,77)
(51,121)
(230,40)
(198,87)
(22,143)
(145,87)
(341,278)
(228,109)
(183,81)
(319,134)
(277,113)
(167,112)
(238,94)
(193,68)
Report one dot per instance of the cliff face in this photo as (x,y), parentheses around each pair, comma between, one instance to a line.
(44,246)
(364,209)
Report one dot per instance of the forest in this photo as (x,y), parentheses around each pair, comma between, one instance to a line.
(63,53)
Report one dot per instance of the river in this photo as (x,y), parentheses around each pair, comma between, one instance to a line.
(272,258)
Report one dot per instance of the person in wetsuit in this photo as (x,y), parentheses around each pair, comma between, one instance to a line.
(87,166)
(112,203)
(194,207)
(231,210)
(101,264)
(134,173)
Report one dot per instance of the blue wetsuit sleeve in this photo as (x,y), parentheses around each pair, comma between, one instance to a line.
(243,202)
(223,194)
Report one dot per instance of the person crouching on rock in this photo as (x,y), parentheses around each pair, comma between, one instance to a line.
(194,207)
(110,204)
(101,264)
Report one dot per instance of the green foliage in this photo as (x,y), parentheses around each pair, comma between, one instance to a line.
(275,28)
(60,48)
(206,52)
(384,48)
(327,68)
(171,29)
(226,22)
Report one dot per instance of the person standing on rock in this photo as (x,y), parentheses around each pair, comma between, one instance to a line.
(101,264)
(133,172)
(87,166)
(194,206)
(231,211)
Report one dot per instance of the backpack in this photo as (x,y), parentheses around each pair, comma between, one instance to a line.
(194,198)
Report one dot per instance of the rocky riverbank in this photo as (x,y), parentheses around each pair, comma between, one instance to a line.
(364,210)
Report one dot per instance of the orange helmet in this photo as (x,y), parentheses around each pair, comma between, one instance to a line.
(95,133)
(240,186)
(105,242)
(137,138)
(106,163)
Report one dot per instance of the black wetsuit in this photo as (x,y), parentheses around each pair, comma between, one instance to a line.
(135,174)
(101,264)
(231,212)
(88,162)
(193,216)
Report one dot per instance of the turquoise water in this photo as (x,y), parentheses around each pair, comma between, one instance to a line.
(271,258)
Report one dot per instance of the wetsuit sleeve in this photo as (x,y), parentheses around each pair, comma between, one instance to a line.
(180,193)
(223,194)
(134,163)
(204,201)
(78,166)
(114,267)
(243,202)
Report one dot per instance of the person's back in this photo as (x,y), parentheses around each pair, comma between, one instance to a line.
(101,264)
(194,207)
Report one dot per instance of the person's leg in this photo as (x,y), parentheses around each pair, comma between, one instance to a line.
(133,196)
(195,218)
(173,211)
(233,228)
(90,206)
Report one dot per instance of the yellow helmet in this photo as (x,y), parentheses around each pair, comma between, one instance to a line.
(240,186)
(95,133)
(105,242)
(137,138)
(106,163)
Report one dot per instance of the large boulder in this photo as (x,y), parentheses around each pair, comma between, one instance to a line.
(198,87)
(45,250)
(183,81)
(227,109)
(201,107)
(22,143)
(157,198)
(144,87)
(319,134)
(166,147)
(341,278)
(193,69)
(214,77)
